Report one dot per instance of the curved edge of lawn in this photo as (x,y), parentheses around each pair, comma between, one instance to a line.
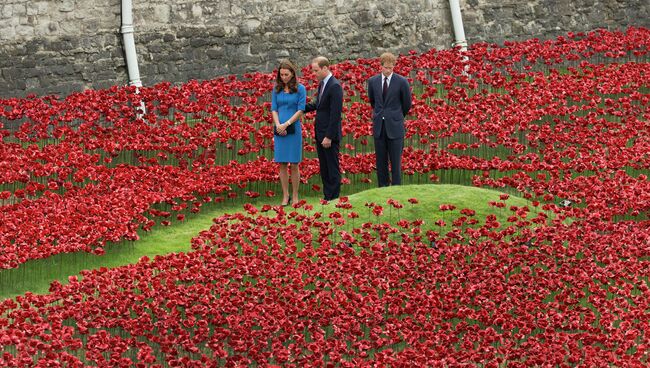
(37,275)
(430,197)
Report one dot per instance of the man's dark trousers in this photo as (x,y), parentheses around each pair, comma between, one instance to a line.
(385,149)
(328,159)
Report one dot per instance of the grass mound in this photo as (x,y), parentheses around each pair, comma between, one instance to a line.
(430,198)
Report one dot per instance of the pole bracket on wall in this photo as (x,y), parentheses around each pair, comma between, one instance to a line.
(457,20)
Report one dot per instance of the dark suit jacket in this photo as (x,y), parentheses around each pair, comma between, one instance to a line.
(328,111)
(391,111)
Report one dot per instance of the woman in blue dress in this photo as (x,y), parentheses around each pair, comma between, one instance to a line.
(287,106)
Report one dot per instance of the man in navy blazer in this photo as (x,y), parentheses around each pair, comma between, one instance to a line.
(390,98)
(327,127)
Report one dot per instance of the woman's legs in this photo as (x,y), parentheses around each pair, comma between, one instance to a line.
(295,181)
(284,181)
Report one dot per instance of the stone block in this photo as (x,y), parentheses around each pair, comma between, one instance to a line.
(103,75)
(69,28)
(280,54)
(109,82)
(146,37)
(156,49)
(32,83)
(7,33)
(78,68)
(91,26)
(207,72)
(361,17)
(200,42)
(523,11)
(90,44)
(17,85)
(6,11)
(52,28)
(67,88)
(249,59)
(186,32)
(19,10)
(32,8)
(238,8)
(24,31)
(31,66)
(251,26)
(62,70)
(8,73)
(197,11)
(174,56)
(66,6)
(42,7)
(166,68)
(27,21)
(162,13)
(61,45)
(188,65)
(214,53)
(179,15)
(260,46)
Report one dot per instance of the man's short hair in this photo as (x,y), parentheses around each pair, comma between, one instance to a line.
(387,58)
(321,61)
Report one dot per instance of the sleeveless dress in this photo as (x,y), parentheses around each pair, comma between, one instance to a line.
(288,148)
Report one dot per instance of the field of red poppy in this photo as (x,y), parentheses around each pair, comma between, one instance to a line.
(562,281)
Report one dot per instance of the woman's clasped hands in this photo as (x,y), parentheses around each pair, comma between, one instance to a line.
(282,128)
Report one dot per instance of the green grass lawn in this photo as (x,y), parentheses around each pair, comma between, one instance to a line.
(35,276)
(430,197)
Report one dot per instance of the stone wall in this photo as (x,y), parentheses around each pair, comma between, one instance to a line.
(62,46)
(500,20)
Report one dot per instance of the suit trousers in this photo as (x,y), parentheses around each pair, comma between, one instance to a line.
(330,172)
(386,149)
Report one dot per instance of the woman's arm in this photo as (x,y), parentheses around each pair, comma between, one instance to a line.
(302,99)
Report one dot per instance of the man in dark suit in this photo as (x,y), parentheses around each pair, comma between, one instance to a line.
(327,127)
(390,98)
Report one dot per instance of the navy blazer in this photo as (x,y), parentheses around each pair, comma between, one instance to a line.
(328,111)
(392,111)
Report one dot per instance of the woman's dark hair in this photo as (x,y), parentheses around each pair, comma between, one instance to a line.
(293,83)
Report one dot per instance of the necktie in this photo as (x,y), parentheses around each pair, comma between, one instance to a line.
(320,91)
(385,88)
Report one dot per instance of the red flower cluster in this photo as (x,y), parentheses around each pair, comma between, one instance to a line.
(87,169)
(553,121)
(286,289)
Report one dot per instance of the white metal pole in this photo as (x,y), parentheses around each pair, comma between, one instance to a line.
(127,30)
(129,43)
(457,20)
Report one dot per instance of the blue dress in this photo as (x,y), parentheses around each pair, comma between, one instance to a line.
(288,148)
